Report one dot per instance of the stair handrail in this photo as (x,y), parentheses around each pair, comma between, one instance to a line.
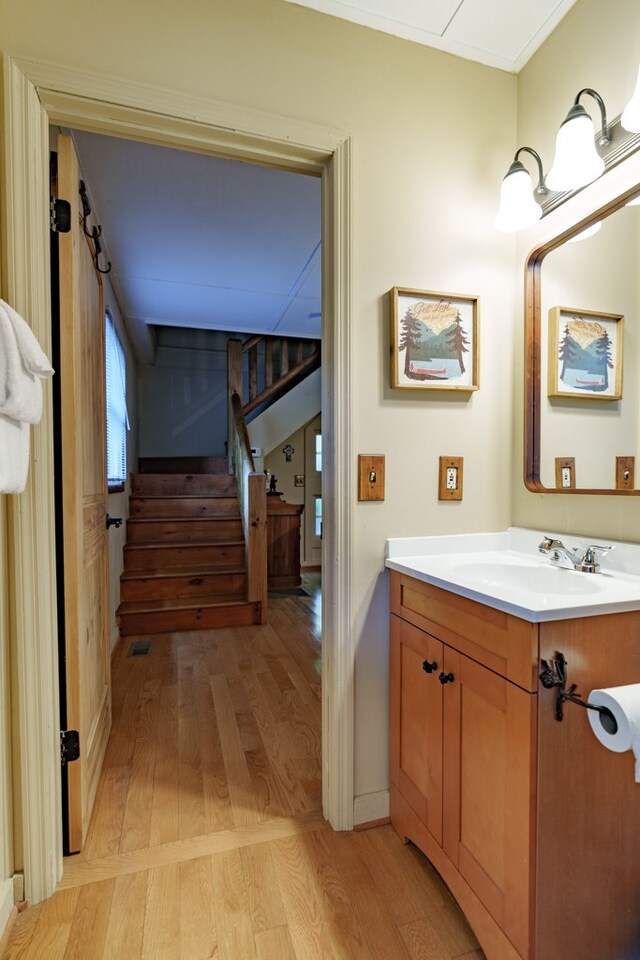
(252,498)
(274,382)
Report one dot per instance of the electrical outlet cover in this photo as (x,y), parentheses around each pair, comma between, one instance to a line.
(450,478)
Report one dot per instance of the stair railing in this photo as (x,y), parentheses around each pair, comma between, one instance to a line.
(263,367)
(252,497)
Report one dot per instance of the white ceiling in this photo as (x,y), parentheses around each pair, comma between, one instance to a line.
(499,33)
(202,242)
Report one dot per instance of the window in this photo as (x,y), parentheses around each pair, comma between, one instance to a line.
(319,452)
(117,417)
(318,517)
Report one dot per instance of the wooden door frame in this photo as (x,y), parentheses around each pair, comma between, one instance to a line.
(37,94)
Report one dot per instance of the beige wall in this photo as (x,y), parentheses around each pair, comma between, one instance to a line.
(118,503)
(594,46)
(431,135)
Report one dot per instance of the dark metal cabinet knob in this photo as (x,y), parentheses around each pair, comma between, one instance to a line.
(446,678)
(429,667)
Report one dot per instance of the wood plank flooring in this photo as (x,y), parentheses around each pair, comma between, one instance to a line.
(207,838)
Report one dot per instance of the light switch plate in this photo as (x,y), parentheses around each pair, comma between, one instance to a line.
(370,476)
(565,473)
(450,478)
(625,473)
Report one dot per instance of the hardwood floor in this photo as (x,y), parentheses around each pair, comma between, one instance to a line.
(207,839)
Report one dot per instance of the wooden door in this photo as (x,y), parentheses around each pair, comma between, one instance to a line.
(488,777)
(87,684)
(416,721)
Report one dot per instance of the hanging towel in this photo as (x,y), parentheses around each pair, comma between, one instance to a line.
(23,365)
(14,455)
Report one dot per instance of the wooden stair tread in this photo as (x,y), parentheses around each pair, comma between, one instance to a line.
(205,464)
(153,573)
(146,520)
(185,476)
(191,544)
(178,603)
(219,495)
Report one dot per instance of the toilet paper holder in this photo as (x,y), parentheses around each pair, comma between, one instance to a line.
(554,674)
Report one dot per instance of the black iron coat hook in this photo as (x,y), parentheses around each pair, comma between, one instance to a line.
(554,674)
(95,233)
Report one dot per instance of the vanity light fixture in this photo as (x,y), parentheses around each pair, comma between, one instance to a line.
(630,118)
(518,208)
(577,162)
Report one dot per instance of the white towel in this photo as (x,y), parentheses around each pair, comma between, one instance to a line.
(14,455)
(22,367)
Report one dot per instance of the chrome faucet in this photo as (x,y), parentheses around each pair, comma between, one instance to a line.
(557,552)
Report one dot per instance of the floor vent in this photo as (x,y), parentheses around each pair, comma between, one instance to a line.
(140,649)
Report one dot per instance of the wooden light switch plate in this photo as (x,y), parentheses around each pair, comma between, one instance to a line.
(625,473)
(370,476)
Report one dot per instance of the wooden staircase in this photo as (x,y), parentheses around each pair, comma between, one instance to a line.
(184,559)
(196,550)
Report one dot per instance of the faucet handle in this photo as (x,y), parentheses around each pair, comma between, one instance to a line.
(547,543)
(590,560)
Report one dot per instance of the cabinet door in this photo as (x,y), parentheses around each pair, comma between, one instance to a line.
(416,721)
(489,749)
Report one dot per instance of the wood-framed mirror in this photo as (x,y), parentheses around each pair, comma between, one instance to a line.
(582,342)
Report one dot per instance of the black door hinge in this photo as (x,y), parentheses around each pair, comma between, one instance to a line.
(59,216)
(69,746)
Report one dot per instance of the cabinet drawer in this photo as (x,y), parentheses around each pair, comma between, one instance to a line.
(505,644)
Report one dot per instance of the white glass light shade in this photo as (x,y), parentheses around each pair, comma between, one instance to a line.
(589,232)
(630,118)
(577,162)
(518,209)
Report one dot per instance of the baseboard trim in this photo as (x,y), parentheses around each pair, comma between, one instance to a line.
(372,824)
(8,914)
(371,808)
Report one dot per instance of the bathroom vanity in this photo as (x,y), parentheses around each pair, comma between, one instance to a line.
(531,822)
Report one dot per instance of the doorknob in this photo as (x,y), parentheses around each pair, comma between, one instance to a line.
(446,678)
(113,521)
(429,667)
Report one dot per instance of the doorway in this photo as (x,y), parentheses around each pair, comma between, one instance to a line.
(36,94)
(188,243)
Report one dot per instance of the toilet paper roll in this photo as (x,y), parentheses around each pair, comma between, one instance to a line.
(624,704)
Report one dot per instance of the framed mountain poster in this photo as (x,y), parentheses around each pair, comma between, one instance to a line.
(434,340)
(585,354)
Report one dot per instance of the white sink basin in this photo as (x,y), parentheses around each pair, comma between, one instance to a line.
(530,576)
(505,570)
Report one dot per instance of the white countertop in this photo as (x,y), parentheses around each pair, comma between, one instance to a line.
(504,570)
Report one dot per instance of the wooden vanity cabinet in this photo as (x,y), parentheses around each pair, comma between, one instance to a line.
(461,770)
(416,721)
(533,825)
